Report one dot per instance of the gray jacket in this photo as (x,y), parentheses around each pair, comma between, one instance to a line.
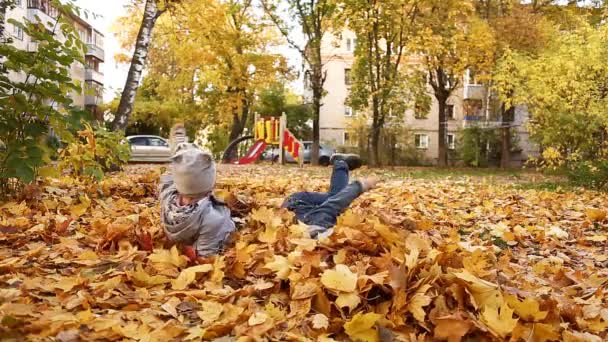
(205,224)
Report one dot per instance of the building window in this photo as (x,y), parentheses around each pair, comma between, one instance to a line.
(348,44)
(472,77)
(420,110)
(421,141)
(451,141)
(449,112)
(347,77)
(348,111)
(346,138)
(18,3)
(17,32)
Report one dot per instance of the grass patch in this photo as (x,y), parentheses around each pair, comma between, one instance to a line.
(436,173)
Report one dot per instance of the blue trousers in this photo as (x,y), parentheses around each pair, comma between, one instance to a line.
(320,208)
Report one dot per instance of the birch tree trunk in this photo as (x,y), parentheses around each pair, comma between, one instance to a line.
(144,37)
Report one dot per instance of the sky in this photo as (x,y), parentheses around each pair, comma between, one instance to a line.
(115,74)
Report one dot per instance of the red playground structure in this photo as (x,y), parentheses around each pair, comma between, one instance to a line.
(270,131)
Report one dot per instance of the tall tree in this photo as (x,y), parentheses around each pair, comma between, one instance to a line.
(214,56)
(451,40)
(517,28)
(383,30)
(314,18)
(152,11)
(567,97)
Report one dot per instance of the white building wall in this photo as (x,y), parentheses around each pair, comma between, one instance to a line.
(22,13)
(334,123)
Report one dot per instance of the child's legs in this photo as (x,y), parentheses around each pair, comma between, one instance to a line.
(326,214)
(339,177)
(303,202)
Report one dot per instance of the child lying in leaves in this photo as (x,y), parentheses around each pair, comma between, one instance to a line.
(192,216)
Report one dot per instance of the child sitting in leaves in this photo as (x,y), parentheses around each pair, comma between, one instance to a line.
(192,216)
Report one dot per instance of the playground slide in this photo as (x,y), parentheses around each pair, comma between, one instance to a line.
(255,151)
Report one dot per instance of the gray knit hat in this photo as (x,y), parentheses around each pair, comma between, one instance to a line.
(193,170)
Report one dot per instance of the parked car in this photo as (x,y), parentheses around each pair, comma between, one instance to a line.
(325,153)
(149,148)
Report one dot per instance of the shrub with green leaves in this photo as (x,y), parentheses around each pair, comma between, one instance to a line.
(590,174)
(34,97)
(95,152)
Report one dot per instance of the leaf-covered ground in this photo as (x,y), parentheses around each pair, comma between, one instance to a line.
(414,260)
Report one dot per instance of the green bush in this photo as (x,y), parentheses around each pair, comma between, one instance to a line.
(590,174)
(94,153)
(37,105)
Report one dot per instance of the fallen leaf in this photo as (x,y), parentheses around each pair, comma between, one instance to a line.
(361,327)
(499,320)
(257,318)
(450,329)
(280,265)
(340,279)
(528,309)
(349,300)
(320,321)
(595,215)
(188,276)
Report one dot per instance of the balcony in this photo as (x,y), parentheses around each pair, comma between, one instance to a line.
(41,11)
(480,121)
(474,92)
(93,75)
(96,51)
(92,100)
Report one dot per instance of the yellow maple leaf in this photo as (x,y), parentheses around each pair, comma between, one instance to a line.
(275,312)
(195,333)
(340,279)
(451,329)
(280,265)
(88,255)
(269,235)
(168,257)
(349,219)
(80,209)
(595,215)
(484,292)
(418,301)
(499,320)
(528,309)
(361,327)
(350,300)
(211,311)
(143,279)
(68,283)
(257,318)
(188,276)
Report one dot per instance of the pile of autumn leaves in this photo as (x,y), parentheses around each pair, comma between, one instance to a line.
(89,261)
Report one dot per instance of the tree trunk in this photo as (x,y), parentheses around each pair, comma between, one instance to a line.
(376,126)
(505,154)
(442,152)
(236,129)
(142,44)
(317,96)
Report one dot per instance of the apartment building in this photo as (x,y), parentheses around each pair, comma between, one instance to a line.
(469,105)
(89,75)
